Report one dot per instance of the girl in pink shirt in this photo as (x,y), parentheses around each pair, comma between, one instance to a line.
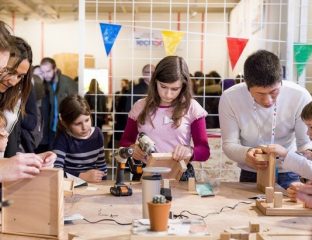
(169,115)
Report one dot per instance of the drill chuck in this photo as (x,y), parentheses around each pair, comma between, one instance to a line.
(125,152)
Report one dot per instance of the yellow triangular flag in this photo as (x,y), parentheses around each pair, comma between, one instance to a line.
(171,40)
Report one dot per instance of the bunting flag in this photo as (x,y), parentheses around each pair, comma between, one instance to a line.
(171,41)
(302,53)
(235,47)
(109,34)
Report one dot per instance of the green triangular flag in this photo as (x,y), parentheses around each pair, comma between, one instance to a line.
(302,53)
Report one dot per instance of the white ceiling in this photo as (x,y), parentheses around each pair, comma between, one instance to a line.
(68,9)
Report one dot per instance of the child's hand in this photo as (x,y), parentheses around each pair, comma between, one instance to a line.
(292,190)
(277,149)
(92,176)
(307,154)
(138,154)
(182,152)
(304,193)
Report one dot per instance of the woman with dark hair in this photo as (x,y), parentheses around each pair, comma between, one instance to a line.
(14,90)
(169,115)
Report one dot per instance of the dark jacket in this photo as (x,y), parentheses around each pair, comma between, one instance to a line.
(65,87)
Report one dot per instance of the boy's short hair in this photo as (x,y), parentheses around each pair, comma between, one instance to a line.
(262,69)
(306,113)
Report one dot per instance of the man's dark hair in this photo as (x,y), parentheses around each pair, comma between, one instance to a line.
(262,69)
(48,60)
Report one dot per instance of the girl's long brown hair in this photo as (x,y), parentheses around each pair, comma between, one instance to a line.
(168,70)
(8,99)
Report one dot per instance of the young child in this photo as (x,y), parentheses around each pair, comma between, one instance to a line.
(3,134)
(298,162)
(79,147)
(169,115)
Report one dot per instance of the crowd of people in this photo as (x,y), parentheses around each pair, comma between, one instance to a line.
(168,104)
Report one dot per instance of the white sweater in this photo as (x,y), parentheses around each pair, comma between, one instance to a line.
(298,164)
(246,124)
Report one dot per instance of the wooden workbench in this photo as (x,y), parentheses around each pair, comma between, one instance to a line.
(98,204)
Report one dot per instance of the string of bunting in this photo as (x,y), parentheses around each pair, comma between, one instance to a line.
(236,46)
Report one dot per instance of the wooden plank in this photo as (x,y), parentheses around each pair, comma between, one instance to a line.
(284,236)
(266,177)
(289,208)
(37,208)
(165,160)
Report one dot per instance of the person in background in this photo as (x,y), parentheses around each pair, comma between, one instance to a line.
(120,108)
(169,115)
(57,86)
(258,112)
(97,102)
(140,89)
(78,145)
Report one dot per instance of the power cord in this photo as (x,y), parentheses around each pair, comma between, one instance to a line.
(107,219)
(182,216)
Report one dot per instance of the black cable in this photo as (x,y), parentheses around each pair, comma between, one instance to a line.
(181,216)
(106,219)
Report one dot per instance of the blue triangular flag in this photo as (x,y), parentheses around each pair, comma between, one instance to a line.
(109,34)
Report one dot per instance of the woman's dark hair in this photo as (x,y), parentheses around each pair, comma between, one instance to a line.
(21,91)
(5,37)
(70,109)
(169,70)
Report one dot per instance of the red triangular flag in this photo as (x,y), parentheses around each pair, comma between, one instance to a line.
(236,46)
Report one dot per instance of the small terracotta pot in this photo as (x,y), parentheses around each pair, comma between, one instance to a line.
(159,215)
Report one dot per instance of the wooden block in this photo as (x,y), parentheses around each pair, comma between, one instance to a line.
(266,177)
(225,236)
(165,183)
(278,199)
(284,236)
(289,208)
(165,160)
(191,185)
(68,187)
(254,227)
(183,166)
(269,194)
(38,205)
(237,234)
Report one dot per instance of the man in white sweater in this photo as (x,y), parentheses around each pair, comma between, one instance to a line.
(263,110)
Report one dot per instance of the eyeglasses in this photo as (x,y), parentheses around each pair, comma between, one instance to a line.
(10,73)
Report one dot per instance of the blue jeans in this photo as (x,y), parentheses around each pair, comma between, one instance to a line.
(284,179)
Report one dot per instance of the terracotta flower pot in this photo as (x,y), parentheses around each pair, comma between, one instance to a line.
(159,215)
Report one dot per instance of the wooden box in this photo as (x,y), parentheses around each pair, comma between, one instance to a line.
(165,160)
(37,205)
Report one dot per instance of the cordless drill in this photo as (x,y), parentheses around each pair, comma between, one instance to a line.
(136,166)
(121,156)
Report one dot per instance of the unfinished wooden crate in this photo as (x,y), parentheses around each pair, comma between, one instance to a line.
(289,208)
(266,177)
(37,205)
(165,160)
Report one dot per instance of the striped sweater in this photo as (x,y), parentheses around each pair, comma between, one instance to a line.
(80,155)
